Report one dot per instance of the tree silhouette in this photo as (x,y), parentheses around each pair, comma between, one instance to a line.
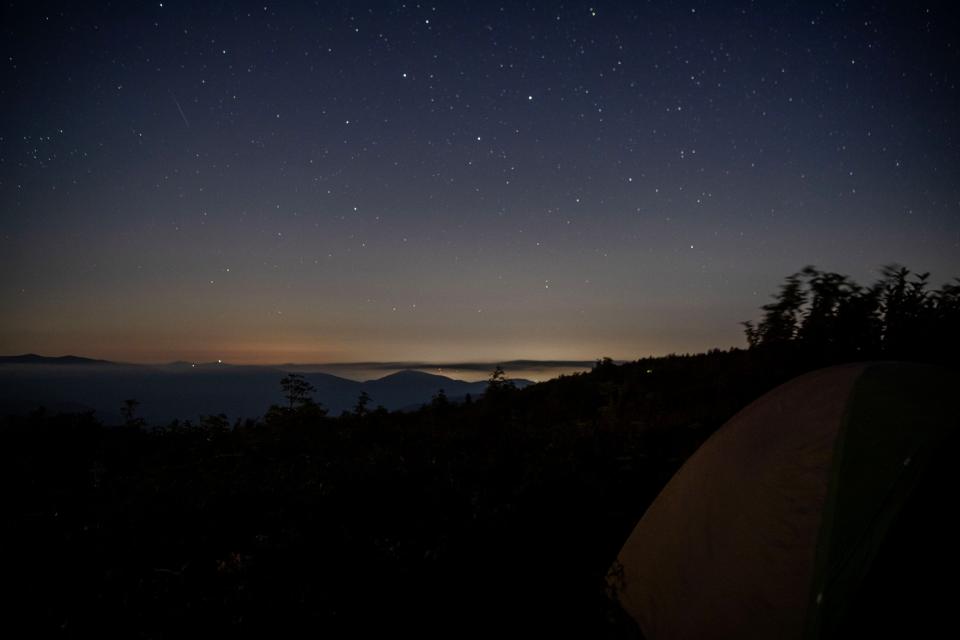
(603,368)
(834,319)
(300,406)
(296,390)
(360,409)
(780,318)
(905,306)
(215,424)
(440,400)
(498,380)
(129,410)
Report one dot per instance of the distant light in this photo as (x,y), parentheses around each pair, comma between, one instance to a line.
(219,361)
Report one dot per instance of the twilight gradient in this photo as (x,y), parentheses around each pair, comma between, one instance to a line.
(339,181)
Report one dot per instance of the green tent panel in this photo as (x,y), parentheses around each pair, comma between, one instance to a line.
(769,529)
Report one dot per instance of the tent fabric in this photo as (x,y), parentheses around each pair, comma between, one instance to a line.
(898,416)
(772,523)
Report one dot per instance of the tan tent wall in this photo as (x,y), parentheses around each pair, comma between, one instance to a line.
(727,549)
(898,417)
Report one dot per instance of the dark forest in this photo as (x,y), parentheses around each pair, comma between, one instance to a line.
(501,512)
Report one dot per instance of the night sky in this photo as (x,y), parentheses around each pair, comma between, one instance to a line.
(343,181)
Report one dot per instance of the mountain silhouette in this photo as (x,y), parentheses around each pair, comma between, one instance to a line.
(32,358)
(186,391)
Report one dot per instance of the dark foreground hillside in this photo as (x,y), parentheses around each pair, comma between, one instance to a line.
(505,512)
(500,515)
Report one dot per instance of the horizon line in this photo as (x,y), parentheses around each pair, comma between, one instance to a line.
(357,363)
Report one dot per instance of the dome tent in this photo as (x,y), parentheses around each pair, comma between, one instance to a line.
(770,528)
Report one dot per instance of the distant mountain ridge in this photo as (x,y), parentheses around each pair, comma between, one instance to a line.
(186,391)
(32,358)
